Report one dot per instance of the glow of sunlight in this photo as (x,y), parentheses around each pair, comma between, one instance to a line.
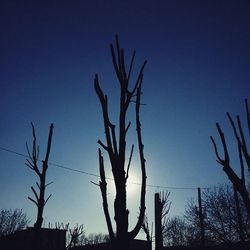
(133,184)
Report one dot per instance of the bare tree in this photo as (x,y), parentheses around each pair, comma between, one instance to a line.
(165,207)
(220,217)
(221,214)
(97,238)
(162,207)
(192,219)
(32,163)
(176,232)
(115,146)
(244,157)
(12,221)
(75,234)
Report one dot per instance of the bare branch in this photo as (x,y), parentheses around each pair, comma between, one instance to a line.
(223,140)
(28,164)
(116,67)
(36,195)
(98,90)
(139,78)
(33,201)
(131,65)
(101,144)
(240,138)
(123,69)
(27,147)
(136,229)
(224,162)
(114,138)
(49,184)
(103,188)
(35,150)
(47,199)
(49,143)
(241,164)
(145,228)
(129,162)
(95,183)
(248,118)
(118,51)
(243,143)
(127,128)
(104,104)
(219,160)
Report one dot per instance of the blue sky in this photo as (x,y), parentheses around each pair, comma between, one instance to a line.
(198,68)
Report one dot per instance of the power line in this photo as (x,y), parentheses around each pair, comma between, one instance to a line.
(95,175)
(51,163)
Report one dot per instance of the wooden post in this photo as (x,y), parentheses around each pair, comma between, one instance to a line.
(158,226)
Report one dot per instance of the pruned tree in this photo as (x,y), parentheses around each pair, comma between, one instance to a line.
(115,146)
(165,205)
(75,234)
(162,207)
(244,157)
(32,163)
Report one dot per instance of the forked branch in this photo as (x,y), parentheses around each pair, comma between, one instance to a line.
(238,182)
(32,163)
(103,188)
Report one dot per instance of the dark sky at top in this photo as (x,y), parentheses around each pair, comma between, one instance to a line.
(198,68)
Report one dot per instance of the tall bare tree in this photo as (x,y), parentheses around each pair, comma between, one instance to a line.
(32,163)
(115,146)
(244,157)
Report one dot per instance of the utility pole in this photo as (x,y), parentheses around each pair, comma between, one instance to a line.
(158,226)
(201,217)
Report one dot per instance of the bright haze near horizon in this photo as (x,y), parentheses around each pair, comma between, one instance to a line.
(198,69)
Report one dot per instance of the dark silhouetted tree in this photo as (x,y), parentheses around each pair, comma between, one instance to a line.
(12,221)
(96,238)
(32,163)
(220,218)
(242,150)
(162,207)
(192,220)
(222,215)
(75,235)
(176,232)
(115,146)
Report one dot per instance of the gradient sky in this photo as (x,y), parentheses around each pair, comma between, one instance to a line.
(198,68)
